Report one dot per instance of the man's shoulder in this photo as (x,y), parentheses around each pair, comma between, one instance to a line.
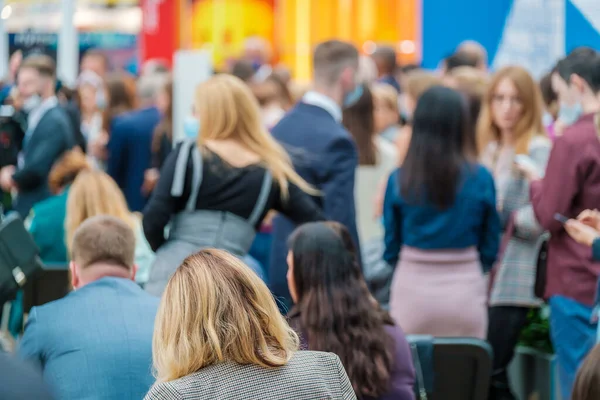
(581,133)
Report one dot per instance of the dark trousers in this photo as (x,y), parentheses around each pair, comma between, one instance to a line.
(505,325)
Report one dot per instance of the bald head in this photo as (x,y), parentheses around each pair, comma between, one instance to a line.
(475,50)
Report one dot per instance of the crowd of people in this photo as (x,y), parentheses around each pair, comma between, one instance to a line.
(296,236)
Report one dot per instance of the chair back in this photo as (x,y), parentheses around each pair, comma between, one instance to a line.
(459,368)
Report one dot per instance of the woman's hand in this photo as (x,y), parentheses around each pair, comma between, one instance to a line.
(581,233)
(97,147)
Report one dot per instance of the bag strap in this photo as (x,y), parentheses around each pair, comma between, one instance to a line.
(196,179)
(263,196)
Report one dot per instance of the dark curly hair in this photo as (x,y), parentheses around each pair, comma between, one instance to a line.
(336,312)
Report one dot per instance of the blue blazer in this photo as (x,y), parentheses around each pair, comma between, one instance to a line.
(325,155)
(51,137)
(95,343)
(130,153)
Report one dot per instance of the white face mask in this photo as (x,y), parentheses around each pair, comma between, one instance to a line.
(32,102)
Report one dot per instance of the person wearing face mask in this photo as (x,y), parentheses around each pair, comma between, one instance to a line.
(571,184)
(323,151)
(47,137)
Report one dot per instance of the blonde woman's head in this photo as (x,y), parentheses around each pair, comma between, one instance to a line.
(228,110)
(216,309)
(94,193)
(385,100)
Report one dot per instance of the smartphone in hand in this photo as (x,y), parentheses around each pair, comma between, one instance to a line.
(561,218)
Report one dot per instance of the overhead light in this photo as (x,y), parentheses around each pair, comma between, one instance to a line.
(407,47)
(369,47)
(6,12)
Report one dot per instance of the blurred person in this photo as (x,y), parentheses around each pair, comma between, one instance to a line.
(19,380)
(238,346)
(510,128)
(385,60)
(457,60)
(46,222)
(96,343)
(587,382)
(376,160)
(243,70)
(571,184)
(473,84)
(476,51)
(386,113)
(96,61)
(283,73)
(155,66)
(130,143)
(14,63)
(328,288)
(325,154)
(162,140)
(551,106)
(13,124)
(415,84)
(92,94)
(121,88)
(274,99)
(226,179)
(258,51)
(367,70)
(442,231)
(48,135)
(94,193)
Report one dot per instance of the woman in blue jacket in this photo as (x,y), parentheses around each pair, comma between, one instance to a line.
(442,229)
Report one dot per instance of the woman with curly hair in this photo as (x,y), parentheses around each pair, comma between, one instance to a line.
(335,312)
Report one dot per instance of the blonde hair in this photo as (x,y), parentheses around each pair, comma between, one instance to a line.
(216,309)
(386,94)
(65,170)
(530,123)
(94,193)
(227,109)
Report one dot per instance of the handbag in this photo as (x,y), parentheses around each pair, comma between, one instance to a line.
(19,257)
(541,267)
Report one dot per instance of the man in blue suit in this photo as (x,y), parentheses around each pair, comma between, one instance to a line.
(130,143)
(323,152)
(96,343)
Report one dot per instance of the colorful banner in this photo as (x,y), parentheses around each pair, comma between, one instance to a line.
(159,30)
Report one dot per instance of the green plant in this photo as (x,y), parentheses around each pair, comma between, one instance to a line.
(536,333)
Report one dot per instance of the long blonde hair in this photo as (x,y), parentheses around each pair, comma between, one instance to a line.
(94,193)
(216,309)
(227,109)
(529,125)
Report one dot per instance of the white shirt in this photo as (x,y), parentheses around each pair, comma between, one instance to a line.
(320,100)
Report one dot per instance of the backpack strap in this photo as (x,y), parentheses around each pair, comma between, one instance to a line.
(197,179)
(261,201)
(181,168)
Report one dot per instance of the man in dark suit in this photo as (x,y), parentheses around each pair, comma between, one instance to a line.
(130,144)
(47,137)
(326,154)
(96,343)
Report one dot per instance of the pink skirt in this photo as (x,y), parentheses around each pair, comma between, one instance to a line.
(440,293)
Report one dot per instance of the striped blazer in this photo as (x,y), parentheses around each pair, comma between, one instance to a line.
(515,273)
(309,375)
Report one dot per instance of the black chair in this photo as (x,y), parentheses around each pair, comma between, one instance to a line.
(52,284)
(452,368)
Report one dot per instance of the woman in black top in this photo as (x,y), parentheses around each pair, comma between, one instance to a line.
(216,192)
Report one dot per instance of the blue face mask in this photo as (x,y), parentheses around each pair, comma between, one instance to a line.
(191,127)
(353,97)
(569,114)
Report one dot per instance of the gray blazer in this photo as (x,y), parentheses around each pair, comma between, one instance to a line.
(309,375)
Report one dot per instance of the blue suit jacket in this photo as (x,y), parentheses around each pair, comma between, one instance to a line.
(95,343)
(130,153)
(324,154)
